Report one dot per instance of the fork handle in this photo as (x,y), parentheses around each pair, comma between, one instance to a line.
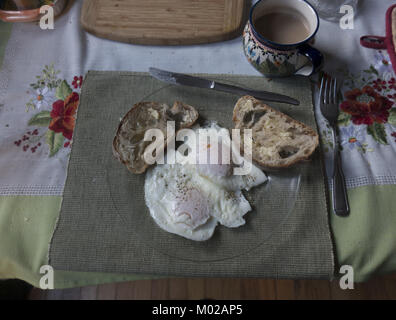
(340,196)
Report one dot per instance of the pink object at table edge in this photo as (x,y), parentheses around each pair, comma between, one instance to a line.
(379,42)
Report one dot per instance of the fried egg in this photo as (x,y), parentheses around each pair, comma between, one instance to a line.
(191,199)
(222,173)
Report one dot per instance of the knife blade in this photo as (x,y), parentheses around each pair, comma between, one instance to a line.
(192,81)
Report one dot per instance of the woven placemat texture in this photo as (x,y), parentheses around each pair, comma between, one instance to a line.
(104,225)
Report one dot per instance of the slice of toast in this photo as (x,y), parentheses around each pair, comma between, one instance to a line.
(278,140)
(129,144)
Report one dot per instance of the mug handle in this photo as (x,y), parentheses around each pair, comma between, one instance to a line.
(373,42)
(316,58)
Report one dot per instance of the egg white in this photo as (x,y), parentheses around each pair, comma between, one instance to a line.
(190,200)
(222,173)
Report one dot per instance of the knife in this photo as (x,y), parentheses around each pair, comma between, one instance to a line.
(186,80)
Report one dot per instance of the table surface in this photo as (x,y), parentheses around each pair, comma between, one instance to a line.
(35,62)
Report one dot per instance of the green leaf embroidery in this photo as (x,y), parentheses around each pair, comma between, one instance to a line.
(344,119)
(377,131)
(372,70)
(48,78)
(41,119)
(30,105)
(392,117)
(54,141)
(63,90)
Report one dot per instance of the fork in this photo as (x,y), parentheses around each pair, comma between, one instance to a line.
(329,108)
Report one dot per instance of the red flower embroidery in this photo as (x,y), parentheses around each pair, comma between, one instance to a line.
(62,115)
(392,96)
(379,84)
(77,82)
(392,84)
(374,110)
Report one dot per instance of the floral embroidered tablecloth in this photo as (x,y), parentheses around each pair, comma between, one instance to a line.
(40,79)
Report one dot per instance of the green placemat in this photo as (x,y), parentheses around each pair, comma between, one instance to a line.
(98,232)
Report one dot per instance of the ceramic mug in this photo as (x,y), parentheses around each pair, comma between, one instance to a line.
(274,59)
(387,42)
(29,15)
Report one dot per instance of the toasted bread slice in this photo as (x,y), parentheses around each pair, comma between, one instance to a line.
(278,140)
(129,144)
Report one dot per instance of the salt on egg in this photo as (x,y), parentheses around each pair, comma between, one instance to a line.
(191,199)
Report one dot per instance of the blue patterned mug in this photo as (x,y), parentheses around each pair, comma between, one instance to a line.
(277,36)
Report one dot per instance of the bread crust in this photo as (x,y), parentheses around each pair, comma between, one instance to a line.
(130,115)
(116,152)
(238,123)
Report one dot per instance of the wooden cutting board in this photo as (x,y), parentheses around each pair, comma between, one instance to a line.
(164,22)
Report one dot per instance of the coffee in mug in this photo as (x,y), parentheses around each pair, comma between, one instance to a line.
(283,27)
(277,36)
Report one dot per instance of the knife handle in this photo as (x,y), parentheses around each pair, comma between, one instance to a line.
(262,95)
(230,88)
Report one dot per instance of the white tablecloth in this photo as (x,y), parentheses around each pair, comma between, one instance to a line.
(73,52)
(34,158)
